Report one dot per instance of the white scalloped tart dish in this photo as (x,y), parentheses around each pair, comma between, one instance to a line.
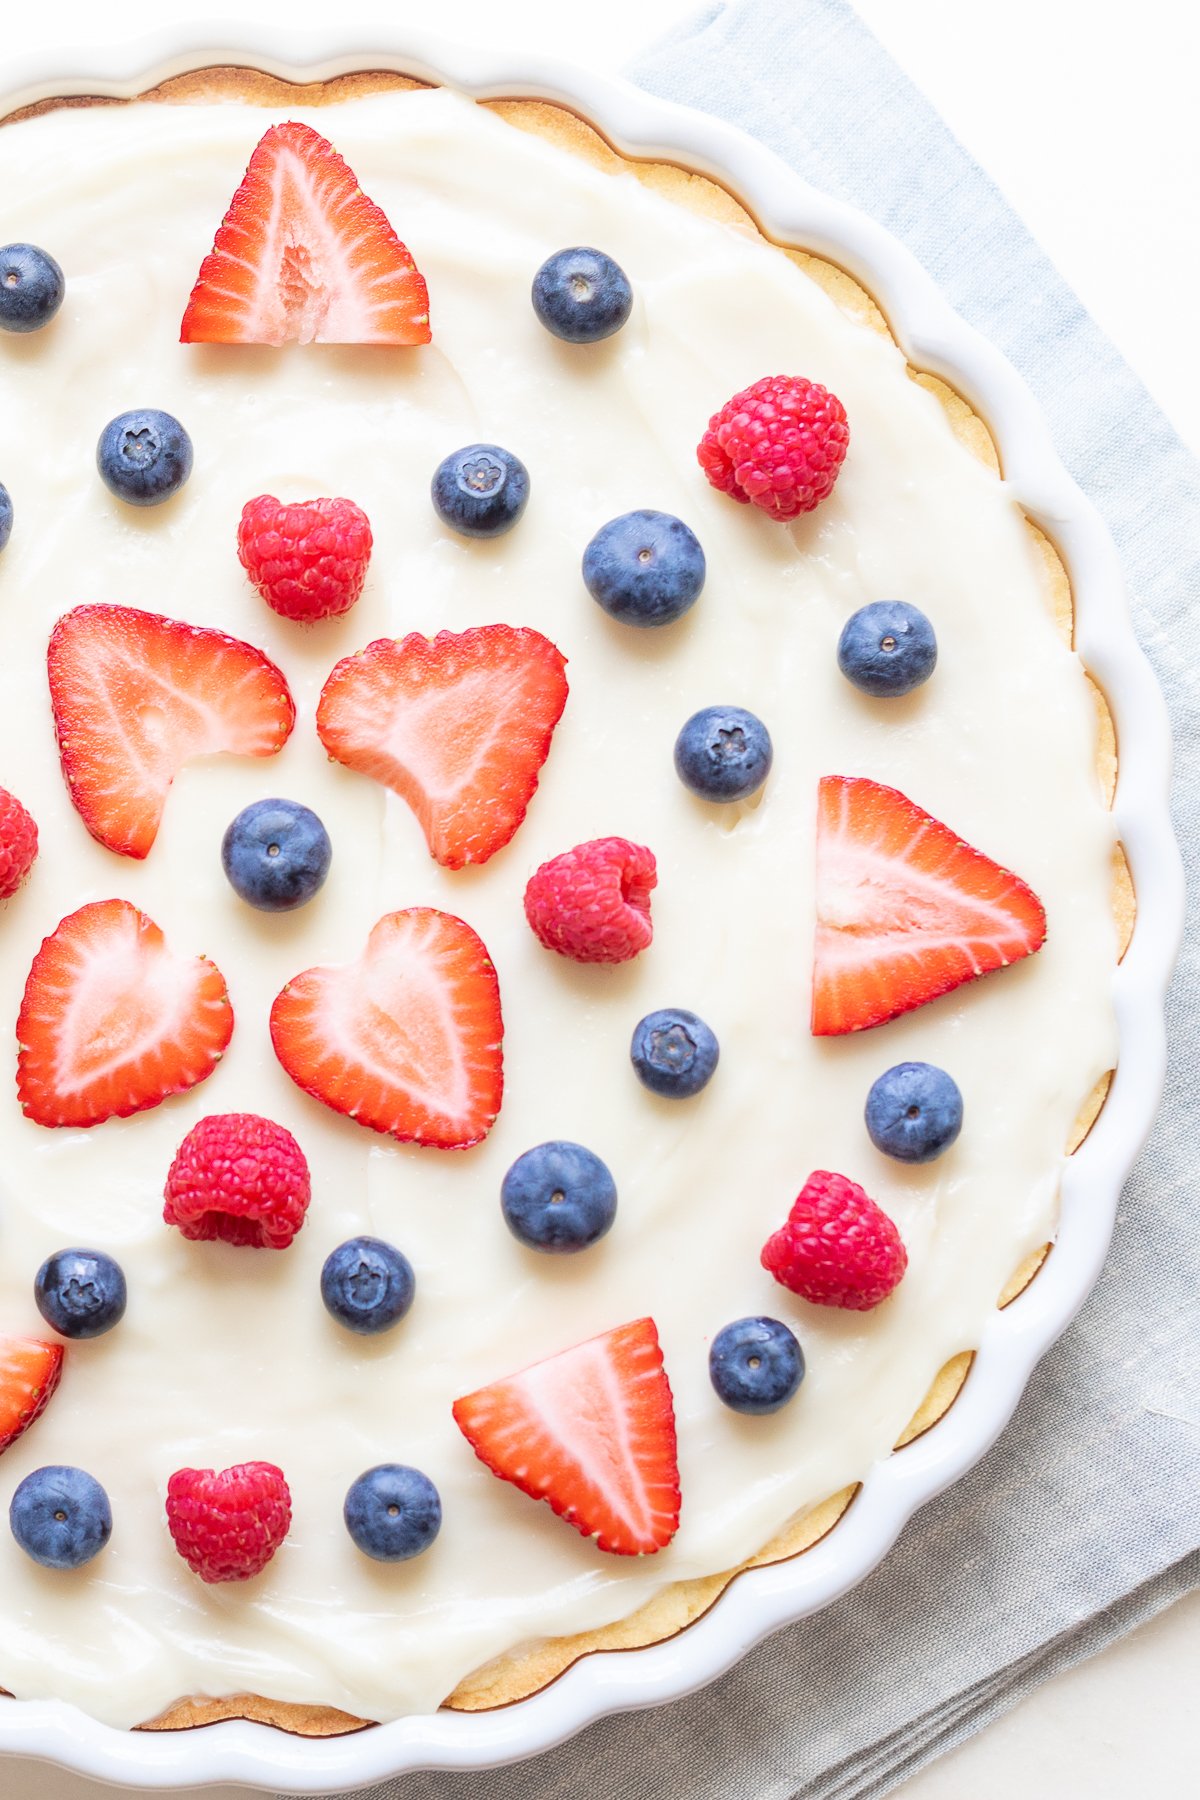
(224,1355)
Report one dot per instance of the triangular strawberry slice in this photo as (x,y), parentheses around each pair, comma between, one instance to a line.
(458,725)
(905,910)
(30,1370)
(408,1039)
(591,1431)
(137,696)
(113,1021)
(303,257)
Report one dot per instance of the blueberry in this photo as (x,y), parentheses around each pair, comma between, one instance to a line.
(276,854)
(674,1052)
(887,648)
(367,1285)
(393,1512)
(914,1112)
(755,1365)
(582,295)
(480,491)
(60,1517)
(723,753)
(81,1293)
(31,287)
(143,457)
(6,515)
(645,568)
(558,1197)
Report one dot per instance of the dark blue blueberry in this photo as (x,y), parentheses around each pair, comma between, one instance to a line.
(393,1512)
(367,1285)
(756,1365)
(645,568)
(582,295)
(914,1112)
(887,648)
(723,753)
(674,1052)
(60,1517)
(558,1197)
(81,1293)
(480,491)
(6,515)
(276,855)
(144,457)
(31,287)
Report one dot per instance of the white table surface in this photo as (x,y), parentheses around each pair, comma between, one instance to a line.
(1084,112)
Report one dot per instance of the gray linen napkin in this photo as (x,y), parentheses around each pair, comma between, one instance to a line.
(1084,1520)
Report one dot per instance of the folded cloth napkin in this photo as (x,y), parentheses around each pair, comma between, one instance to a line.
(1084,1520)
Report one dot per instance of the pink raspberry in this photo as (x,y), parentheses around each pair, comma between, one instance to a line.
(227,1526)
(592,903)
(838,1248)
(308,559)
(240,1178)
(777,445)
(18,843)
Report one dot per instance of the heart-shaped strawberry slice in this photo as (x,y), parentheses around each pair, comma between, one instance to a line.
(408,1039)
(113,1020)
(458,725)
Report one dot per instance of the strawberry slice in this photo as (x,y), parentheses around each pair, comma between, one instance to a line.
(408,1039)
(905,910)
(303,257)
(113,1021)
(136,696)
(592,1431)
(30,1370)
(458,725)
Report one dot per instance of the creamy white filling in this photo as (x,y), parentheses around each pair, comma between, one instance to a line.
(227,1354)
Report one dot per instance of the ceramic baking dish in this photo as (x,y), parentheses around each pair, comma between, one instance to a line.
(935,340)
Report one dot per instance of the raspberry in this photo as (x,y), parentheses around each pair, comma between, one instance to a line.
(308,559)
(592,903)
(777,445)
(239,1178)
(837,1248)
(228,1526)
(18,843)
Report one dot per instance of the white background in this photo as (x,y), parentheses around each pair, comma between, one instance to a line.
(1085,112)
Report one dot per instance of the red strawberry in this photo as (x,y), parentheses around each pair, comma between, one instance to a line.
(18,843)
(592,1431)
(307,558)
(136,696)
(408,1039)
(228,1526)
(837,1248)
(303,257)
(30,1370)
(905,910)
(240,1178)
(458,725)
(113,1021)
(592,903)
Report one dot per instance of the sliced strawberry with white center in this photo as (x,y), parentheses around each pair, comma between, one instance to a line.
(137,696)
(905,910)
(408,1039)
(30,1370)
(113,1021)
(303,257)
(458,725)
(592,1431)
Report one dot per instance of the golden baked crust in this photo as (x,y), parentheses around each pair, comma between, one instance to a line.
(524,1671)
